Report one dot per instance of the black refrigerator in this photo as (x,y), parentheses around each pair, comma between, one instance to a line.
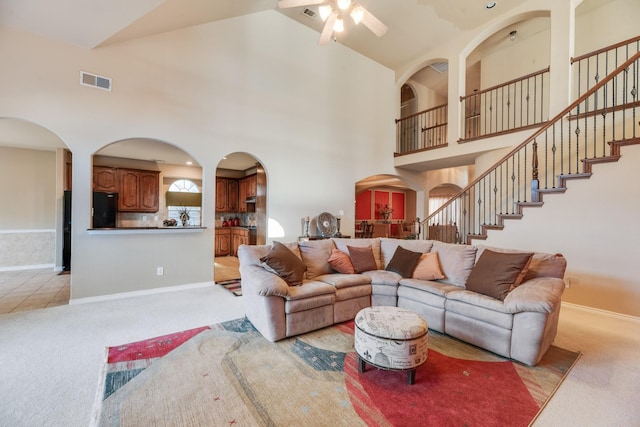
(105,209)
(66,231)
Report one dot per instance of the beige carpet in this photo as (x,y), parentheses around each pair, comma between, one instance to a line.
(226,268)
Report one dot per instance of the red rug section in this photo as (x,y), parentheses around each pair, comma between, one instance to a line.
(447,391)
(151,348)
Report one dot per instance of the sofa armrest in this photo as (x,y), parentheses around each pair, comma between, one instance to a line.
(258,281)
(542,295)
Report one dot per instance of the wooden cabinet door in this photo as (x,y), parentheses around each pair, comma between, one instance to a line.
(223,242)
(149,195)
(242,195)
(252,185)
(239,237)
(221,195)
(232,195)
(129,182)
(105,179)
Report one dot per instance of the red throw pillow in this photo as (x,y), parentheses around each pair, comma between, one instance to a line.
(341,262)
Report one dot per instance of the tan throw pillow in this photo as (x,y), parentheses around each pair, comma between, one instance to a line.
(362,258)
(496,273)
(341,262)
(428,267)
(315,254)
(285,264)
(403,261)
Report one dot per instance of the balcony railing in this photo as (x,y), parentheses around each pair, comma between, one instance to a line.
(422,131)
(562,148)
(515,105)
(589,68)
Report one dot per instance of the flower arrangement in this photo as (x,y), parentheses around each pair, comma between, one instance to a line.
(384,210)
(183,214)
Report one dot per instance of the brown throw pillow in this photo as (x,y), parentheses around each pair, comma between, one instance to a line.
(428,267)
(362,258)
(403,261)
(285,264)
(341,262)
(496,273)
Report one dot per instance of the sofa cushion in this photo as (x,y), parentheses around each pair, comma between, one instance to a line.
(542,264)
(344,280)
(374,244)
(383,277)
(388,247)
(479,307)
(315,254)
(456,261)
(341,262)
(403,261)
(428,267)
(496,273)
(362,258)
(285,264)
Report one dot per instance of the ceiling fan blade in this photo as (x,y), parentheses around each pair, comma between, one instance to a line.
(328,29)
(284,4)
(373,23)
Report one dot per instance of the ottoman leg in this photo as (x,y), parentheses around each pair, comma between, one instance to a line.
(411,377)
(361,365)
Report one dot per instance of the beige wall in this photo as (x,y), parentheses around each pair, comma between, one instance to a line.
(318,119)
(27,189)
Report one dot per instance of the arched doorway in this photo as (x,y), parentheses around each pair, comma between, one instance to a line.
(386,205)
(35,171)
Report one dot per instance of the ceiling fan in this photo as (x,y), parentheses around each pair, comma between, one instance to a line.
(332,13)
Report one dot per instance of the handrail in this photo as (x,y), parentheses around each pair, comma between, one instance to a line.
(507,83)
(558,118)
(428,110)
(605,49)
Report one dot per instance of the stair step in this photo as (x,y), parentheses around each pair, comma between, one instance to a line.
(510,216)
(588,163)
(557,190)
(492,227)
(562,179)
(615,145)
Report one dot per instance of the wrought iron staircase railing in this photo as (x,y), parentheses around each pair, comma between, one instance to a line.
(590,130)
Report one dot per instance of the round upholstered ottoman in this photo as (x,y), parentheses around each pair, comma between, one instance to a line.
(391,338)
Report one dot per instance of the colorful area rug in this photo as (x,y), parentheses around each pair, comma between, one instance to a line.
(228,374)
(232,286)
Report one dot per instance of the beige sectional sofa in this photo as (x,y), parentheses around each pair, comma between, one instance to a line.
(520,322)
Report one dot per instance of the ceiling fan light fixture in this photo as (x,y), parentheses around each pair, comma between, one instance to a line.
(325,11)
(338,27)
(344,4)
(357,13)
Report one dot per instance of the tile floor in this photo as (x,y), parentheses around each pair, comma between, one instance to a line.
(32,289)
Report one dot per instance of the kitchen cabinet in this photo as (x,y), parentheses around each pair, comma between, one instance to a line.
(139,190)
(252,185)
(242,195)
(232,195)
(221,195)
(105,179)
(227,195)
(239,236)
(223,242)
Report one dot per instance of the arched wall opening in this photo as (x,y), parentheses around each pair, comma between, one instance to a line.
(131,180)
(35,171)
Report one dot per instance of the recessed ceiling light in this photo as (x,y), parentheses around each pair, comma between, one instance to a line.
(189,163)
(491,5)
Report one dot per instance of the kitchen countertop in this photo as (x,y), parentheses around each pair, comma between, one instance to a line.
(145,230)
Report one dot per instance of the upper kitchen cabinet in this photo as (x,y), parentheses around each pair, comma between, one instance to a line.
(252,185)
(105,179)
(139,190)
(227,194)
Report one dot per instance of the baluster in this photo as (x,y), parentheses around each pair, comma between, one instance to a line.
(534,173)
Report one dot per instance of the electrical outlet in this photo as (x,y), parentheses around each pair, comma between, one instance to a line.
(144,217)
(160,271)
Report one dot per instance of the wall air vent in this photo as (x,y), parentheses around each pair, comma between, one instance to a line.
(88,79)
(440,67)
(310,13)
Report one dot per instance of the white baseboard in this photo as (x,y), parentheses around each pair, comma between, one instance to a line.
(145,292)
(601,312)
(27,267)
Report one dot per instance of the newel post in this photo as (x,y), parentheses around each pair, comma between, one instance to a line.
(535,197)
